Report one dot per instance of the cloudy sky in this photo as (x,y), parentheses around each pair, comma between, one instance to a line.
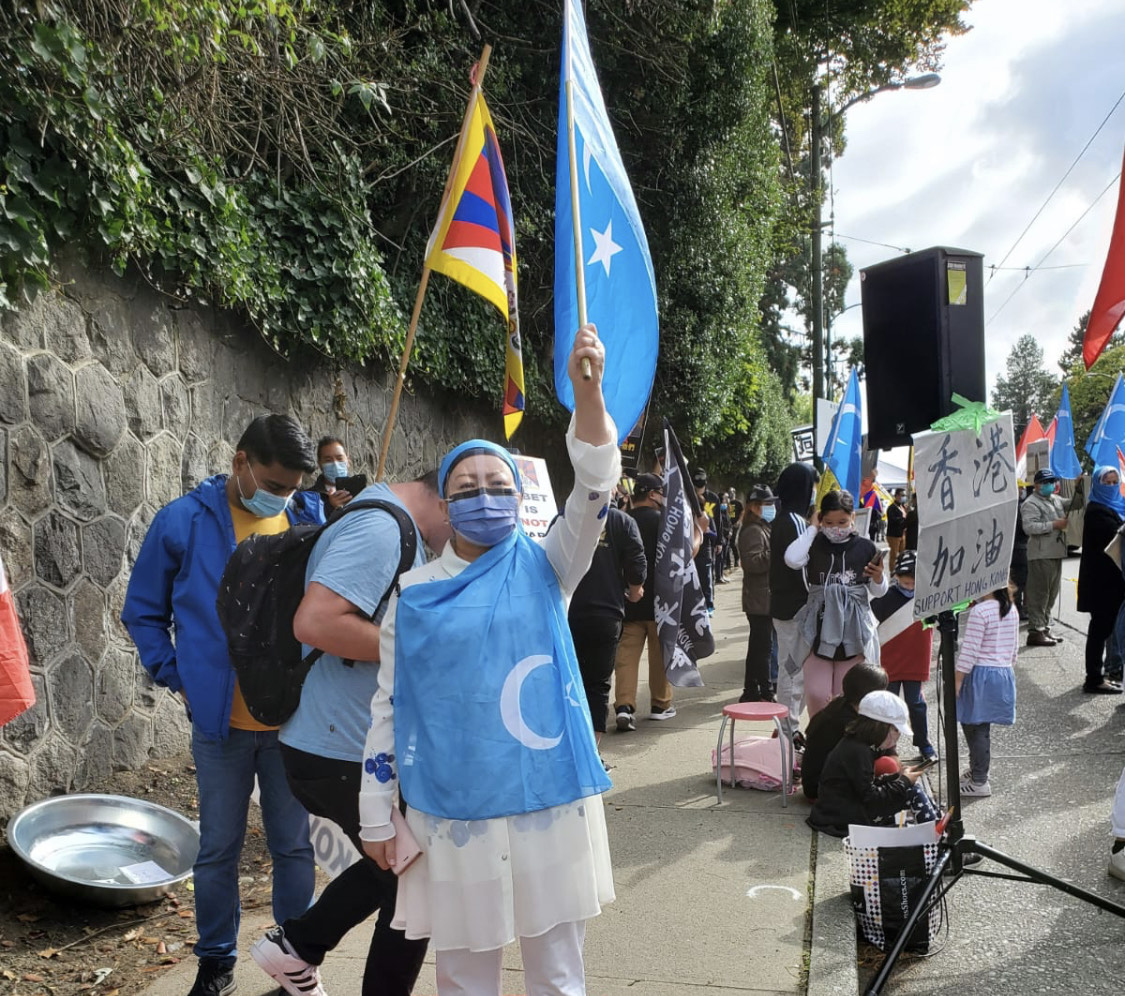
(970,162)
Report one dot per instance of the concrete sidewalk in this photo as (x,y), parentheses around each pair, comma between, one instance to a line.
(709,898)
(744,898)
(1053,777)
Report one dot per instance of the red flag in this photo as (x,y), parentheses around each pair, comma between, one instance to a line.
(1051,430)
(16,692)
(1109,305)
(1121,470)
(1031,434)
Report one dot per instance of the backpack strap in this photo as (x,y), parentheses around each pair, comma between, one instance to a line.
(408,545)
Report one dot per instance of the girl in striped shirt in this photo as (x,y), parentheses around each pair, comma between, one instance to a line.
(986,684)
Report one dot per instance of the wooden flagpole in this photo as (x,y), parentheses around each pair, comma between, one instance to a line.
(575,209)
(482,68)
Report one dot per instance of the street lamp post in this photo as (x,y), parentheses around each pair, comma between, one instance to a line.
(818,125)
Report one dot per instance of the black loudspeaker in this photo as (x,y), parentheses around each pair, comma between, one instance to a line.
(923,340)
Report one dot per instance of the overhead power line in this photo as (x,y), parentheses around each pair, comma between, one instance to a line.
(1039,265)
(1055,190)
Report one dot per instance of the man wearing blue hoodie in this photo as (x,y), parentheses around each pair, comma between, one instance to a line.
(170,613)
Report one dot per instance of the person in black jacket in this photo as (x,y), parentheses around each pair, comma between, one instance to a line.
(597,609)
(639,628)
(827,727)
(1101,587)
(796,492)
(850,791)
(1018,570)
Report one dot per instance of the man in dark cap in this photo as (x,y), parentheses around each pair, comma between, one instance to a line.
(1043,517)
(754,544)
(705,558)
(796,492)
(639,627)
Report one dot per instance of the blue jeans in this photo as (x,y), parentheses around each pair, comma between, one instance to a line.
(916,706)
(225,770)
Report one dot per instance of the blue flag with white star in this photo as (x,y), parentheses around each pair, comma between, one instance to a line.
(843,453)
(1109,432)
(1064,461)
(620,286)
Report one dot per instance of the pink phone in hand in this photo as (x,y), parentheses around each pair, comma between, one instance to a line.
(407,848)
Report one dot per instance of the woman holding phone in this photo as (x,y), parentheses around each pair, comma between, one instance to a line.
(836,628)
(481,723)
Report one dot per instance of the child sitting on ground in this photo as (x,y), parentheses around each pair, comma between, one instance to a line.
(828,726)
(850,791)
(986,684)
(905,648)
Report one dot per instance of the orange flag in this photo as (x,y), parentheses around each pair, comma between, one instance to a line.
(16,692)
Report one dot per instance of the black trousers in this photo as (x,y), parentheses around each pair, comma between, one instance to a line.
(1099,630)
(758,649)
(595,644)
(330,788)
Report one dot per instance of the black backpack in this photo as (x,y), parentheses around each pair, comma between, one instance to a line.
(262,585)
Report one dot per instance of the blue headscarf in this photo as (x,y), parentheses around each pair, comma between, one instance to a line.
(1107,494)
(473,447)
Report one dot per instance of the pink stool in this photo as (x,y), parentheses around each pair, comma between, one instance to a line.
(761,712)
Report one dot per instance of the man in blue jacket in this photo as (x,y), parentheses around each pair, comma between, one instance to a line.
(170,614)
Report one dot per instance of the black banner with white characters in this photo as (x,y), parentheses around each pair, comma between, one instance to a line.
(678,603)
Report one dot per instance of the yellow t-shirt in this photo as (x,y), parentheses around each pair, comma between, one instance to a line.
(248,524)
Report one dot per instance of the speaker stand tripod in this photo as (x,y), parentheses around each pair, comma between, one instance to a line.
(957,846)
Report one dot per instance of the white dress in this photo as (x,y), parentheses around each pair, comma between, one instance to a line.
(479,885)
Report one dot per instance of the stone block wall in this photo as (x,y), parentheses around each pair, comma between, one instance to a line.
(115,400)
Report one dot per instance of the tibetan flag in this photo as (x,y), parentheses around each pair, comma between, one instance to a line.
(16,691)
(843,453)
(1121,470)
(1064,460)
(615,260)
(1109,304)
(474,240)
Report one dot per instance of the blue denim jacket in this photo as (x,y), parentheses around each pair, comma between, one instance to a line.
(169,607)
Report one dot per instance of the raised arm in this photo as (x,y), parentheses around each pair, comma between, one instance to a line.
(591,441)
(797,553)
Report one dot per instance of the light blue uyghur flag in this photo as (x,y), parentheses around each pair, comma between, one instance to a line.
(1064,461)
(1109,433)
(843,453)
(620,286)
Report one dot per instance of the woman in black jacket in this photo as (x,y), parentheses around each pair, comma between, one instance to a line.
(1101,587)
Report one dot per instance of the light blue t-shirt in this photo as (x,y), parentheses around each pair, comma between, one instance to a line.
(356,558)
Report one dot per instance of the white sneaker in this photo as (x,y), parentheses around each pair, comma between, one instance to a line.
(663,713)
(625,721)
(281,963)
(1117,865)
(978,789)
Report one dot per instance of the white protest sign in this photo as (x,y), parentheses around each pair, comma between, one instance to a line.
(539,508)
(967,500)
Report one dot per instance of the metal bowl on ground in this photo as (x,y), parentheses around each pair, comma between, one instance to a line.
(109,850)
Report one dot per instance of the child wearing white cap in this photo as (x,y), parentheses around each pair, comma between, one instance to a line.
(850,791)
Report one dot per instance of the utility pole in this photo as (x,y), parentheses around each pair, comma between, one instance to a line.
(817,260)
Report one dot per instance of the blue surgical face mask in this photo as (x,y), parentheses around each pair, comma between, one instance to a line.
(1046,490)
(485,516)
(768,512)
(907,592)
(263,504)
(334,470)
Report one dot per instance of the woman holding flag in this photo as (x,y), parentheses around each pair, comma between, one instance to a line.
(1101,587)
(480,721)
